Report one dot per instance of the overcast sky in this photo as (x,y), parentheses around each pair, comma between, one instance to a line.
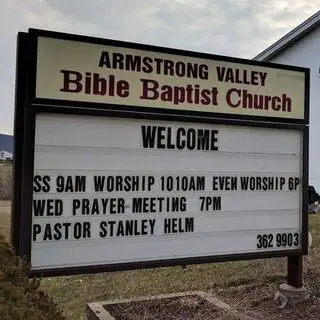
(240,28)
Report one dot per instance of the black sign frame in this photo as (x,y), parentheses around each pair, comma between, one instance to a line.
(26,109)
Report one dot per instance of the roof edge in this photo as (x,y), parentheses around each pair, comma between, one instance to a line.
(290,38)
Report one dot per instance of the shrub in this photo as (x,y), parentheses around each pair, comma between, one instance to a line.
(20,297)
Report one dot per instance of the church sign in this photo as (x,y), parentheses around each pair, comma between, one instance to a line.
(137,156)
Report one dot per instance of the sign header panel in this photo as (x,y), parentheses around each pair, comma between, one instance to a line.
(122,75)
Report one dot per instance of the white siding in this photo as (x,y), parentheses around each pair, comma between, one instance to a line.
(305,53)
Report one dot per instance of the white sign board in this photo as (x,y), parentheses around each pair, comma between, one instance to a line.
(118,190)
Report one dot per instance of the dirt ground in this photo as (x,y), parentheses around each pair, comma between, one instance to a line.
(246,302)
(257,303)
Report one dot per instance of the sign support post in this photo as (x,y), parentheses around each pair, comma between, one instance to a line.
(293,291)
(295,271)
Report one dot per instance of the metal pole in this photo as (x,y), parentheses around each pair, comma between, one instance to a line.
(294,271)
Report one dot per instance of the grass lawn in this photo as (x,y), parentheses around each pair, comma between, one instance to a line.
(5,192)
(5,208)
(5,177)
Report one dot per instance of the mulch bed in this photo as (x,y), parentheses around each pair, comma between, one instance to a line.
(255,300)
(175,308)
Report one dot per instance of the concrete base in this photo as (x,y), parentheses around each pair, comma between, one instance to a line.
(291,295)
(96,311)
